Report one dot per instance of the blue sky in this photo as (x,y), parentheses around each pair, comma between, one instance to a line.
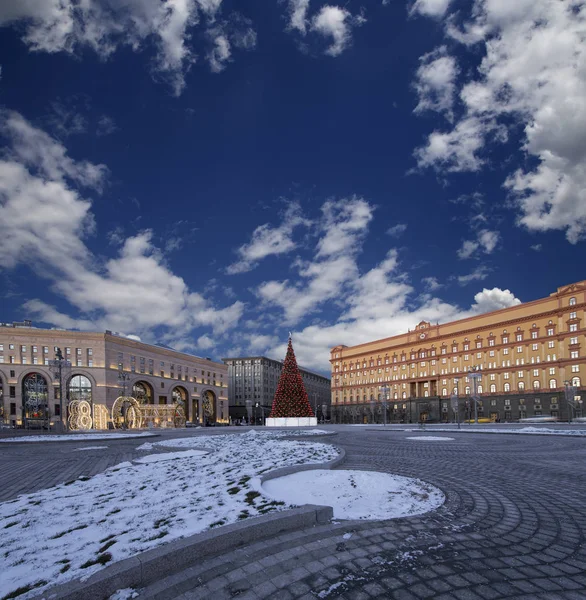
(213,174)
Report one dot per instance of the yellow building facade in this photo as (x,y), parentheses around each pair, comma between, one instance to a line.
(530,359)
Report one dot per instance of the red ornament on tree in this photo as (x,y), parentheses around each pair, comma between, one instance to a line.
(290,398)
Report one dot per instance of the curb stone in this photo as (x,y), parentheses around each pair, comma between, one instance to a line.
(147,567)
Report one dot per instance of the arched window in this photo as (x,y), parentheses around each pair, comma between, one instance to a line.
(80,388)
(536,385)
(553,384)
(479,389)
(179,395)
(444,391)
(467,390)
(351,399)
(576,382)
(35,397)
(507,387)
(395,397)
(455,391)
(521,386)
(142,392)
(492,388)
(404,395)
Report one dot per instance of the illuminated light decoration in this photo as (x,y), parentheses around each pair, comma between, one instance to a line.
(161,415)
(290,398)
(79,415)
(101,416)
(126,413)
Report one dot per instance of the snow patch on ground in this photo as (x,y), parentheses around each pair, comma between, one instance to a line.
(357,494)
(79,437)
(72,530)
(90,448)
(125,594)
(155,458)
(522,431)
(431,438)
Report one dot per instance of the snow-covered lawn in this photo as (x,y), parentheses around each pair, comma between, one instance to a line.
(72,530)
(357,494)
(76,437)
(431,438)
(90,448)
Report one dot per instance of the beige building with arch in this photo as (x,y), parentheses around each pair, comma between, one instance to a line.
(530,358)
(104,366)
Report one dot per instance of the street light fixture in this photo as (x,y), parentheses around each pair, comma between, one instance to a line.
(123,378)
(570,392)
(61,368)
(385,390)
(475,376)
(455,401)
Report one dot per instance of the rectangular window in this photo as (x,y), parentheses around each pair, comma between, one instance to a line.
(90,363)
(67,351)
(23,360)
(505,350)
(35,360)
(12,391)
(574,354)
(90,352)
(23,348)
(11,346)
(12,407)
(57,410)
(34,349)
(45,349)
(574,327)
(519,337)
(534,335)
(1,359)
(551,344)
(519,349)
(78,362)
(550,331)
(534,346)
(78,351)
(12,360)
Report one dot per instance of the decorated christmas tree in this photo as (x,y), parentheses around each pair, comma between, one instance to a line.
(291,398)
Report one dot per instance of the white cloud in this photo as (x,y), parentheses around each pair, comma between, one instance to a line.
(495,299)
(431,283)
(430,8)
(532,77)
(298,15)
(397,230)
(403,311)
(106,125)
(486,242)
(343,226)
(269,241)
(478,274)
(43,223)
(435,82)
(205,342)
(104,25)
(336,23)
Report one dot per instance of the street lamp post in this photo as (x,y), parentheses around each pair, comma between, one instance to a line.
(456,401)
(570,393)
(315,405)
(385,391)
(60,367)
(123,378)
(475,375)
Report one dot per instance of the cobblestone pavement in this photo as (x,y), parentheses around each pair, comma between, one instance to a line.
(513,525)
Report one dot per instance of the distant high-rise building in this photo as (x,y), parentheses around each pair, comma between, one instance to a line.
(252,383)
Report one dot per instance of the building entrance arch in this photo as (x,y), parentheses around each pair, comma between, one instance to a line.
(208,407)
(142,392)
(35,401)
